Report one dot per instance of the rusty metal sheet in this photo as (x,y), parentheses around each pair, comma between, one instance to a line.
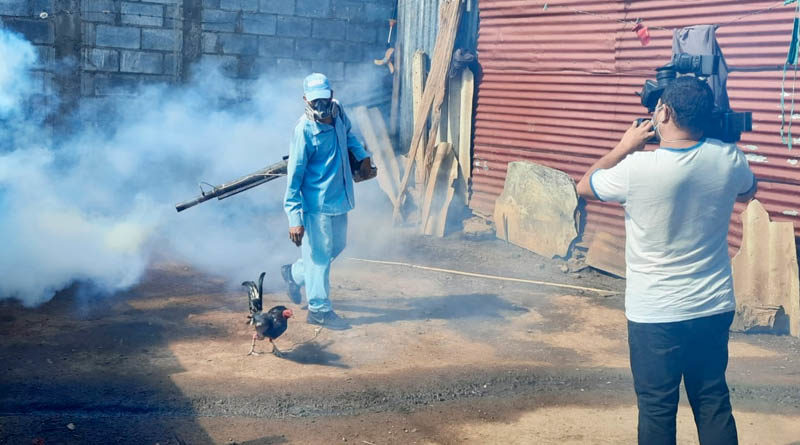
(558,89)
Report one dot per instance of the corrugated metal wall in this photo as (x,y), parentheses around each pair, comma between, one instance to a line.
(417,27)
(558,89)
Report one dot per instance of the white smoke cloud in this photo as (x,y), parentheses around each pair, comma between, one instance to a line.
(96,204)
(15,83)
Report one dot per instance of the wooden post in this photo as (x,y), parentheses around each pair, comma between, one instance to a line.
(418,74)
(449,16)
(464,150)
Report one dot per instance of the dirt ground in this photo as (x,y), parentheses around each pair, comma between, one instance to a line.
(432,358)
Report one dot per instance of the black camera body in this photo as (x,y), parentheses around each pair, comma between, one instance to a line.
(724,124)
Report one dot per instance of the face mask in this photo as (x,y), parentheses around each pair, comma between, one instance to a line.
(320,109)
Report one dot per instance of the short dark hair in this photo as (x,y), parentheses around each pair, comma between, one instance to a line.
(692,101)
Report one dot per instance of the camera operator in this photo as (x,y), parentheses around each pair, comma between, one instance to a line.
(679,300)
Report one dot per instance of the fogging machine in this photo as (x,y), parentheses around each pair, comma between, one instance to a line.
(259,177)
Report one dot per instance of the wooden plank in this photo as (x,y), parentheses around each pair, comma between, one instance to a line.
(443,118)
(361,116)
(464,151)
(384,144)
(394,114)
(765,270)
(445,190)
(419,73)
(453,119)
(449,17)
(441,152)
(607,253)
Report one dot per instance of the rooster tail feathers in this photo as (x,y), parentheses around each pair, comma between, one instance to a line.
(261,283)
(253,296)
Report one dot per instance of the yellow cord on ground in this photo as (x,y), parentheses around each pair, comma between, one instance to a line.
(489,277)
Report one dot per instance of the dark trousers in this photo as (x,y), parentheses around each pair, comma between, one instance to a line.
(697,350)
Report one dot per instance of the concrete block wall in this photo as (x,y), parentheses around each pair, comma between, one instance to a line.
(294,37)
(90,50)
(126,43)
(121,44)
(22,17)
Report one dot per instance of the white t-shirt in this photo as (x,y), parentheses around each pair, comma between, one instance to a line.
(678,205)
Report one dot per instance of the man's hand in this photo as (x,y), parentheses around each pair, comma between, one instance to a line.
(635,138)
(296,235)
(366,167)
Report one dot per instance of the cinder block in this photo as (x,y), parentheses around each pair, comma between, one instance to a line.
(211,4)
(172,64)
(141,62)
(46,57)
(334,70)
(36,79)
(38,6)
(312,49)
(218,20)
(293,26)
(360,33)
(116,84)
(366,71)
(210,43)
(87,84)
(313,8)
(162,39)
(118,36)
(276,47)
(103,11)
(347,51)
(142,14)
(97,59)
(167,2)
(239,5)
(14,8)
(293,67)
(36,31)
(173,17)
(263,66)
(348,10)
(261,24)
(328,29)
(238,44)
(377,12)
(227,64)
(283,7)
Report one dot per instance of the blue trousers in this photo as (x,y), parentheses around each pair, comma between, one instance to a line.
(325,238)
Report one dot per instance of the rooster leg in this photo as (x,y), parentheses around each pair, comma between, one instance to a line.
(277,352)
(253,346)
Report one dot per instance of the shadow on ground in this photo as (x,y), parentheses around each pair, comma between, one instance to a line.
(77,361)
(314,353)
(446,307)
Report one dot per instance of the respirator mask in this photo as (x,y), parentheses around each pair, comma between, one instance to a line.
(320,109)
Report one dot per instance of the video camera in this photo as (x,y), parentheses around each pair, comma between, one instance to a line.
(724,124)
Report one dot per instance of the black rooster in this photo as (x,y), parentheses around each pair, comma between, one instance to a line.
(271,324)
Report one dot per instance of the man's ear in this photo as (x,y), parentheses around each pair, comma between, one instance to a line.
(668,114)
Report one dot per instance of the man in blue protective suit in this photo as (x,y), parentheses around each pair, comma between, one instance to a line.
(319,193)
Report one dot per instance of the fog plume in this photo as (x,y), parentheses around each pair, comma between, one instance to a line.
(97,202)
